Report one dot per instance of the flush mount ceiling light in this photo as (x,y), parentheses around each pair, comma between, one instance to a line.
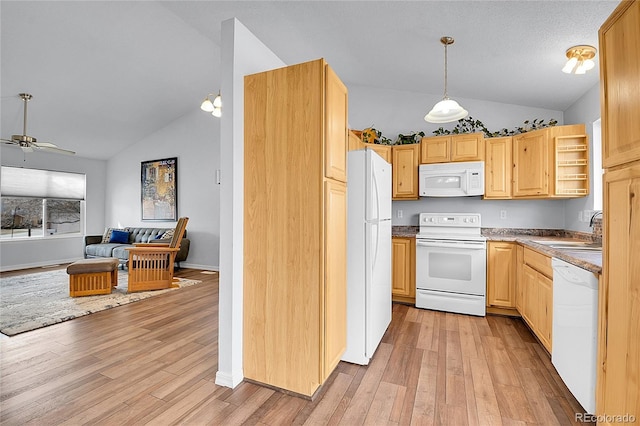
(580,59)
(215,107)
(447,110)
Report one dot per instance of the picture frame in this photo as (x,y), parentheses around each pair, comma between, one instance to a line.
(159,189)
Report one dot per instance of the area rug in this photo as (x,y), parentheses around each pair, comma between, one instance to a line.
(32,301)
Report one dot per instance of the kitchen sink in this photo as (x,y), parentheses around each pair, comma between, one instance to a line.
(571,245)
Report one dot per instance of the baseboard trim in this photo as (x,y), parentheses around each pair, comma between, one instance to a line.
(48,263)
(229,380)
(198,266)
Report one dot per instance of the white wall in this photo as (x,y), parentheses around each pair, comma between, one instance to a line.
(242,54)
(194,139)
(22,254)
(394,112)
(543,214)
(585,110)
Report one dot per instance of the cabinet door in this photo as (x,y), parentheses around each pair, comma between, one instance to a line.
(383,150)
(530,302)
(335,148)
(469,147)
(501,274)
(403,266)
(545,310)
(620,293)
(405,172)
(435,149)
(620,68)
(498,165)
(519,278)
(531,164)
(335,275)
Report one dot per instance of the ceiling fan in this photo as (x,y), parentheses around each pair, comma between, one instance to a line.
(29,143)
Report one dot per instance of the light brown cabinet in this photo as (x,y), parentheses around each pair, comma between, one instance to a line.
(452,148)
(519,278)
(355,142)
(531,164)
(383,150)
(294,226)
(618,372)
(405,161)
(620,88)
(403,255)
(497,168)
(545,163)
(538,295)
(501,274)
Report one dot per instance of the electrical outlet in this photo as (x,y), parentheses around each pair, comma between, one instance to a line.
(503,214)
(399,214)
(580,216)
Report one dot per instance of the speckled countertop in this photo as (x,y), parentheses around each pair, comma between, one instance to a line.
(589,260)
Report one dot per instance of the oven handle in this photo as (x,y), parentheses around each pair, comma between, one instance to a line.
(472,245)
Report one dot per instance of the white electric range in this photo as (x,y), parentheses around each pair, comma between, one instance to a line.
(451,263)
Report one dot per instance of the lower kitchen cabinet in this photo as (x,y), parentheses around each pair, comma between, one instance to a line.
(519,277)
(537,309)
(403,257)
(501,274)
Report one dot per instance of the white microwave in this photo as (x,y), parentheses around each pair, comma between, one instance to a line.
(464,179)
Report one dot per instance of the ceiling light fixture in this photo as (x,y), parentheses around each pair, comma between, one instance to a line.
(580,59)
(447,110)
(215,107)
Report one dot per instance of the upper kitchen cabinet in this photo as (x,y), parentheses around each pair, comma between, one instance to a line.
(355,142)
(550,163)
(383,150)
(452,148)
(497,168)
(335,126)
(405,171)
(620,84)
(294,315)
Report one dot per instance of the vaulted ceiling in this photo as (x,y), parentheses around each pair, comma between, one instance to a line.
(105,74)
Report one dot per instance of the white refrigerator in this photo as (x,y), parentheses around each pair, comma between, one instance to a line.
(368,254)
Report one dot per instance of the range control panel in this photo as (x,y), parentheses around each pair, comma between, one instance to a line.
(457,220)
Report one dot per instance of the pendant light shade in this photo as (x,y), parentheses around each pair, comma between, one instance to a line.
(447,110)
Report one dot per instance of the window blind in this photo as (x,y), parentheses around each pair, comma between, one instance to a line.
(21,182)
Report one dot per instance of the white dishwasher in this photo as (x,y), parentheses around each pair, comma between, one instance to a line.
(575,330)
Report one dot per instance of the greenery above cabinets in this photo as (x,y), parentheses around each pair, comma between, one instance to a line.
(469,125)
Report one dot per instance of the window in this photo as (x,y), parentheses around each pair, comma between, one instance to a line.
(40,203)
(596,165)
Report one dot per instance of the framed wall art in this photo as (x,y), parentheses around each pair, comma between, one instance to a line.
(160,189)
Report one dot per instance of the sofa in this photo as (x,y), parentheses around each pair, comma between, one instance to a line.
(94,247)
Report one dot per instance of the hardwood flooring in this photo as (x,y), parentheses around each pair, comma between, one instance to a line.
(154,362)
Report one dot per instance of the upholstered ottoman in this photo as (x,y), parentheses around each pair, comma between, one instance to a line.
(89,277)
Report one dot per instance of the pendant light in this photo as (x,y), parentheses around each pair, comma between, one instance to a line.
(447,110)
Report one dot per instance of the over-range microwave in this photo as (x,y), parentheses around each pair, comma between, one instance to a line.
(462,179)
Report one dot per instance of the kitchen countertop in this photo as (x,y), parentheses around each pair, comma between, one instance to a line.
(588,260)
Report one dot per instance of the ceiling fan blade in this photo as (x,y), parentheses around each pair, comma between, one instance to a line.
(8,142)
(45,146)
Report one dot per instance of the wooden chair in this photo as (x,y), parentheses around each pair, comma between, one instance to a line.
(151,264)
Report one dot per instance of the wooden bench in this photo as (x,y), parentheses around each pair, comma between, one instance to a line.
(88,277)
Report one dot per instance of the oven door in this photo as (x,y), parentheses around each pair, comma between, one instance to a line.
(451,266)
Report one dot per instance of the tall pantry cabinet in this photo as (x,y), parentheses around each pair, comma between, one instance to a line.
(618,387)
(295,226)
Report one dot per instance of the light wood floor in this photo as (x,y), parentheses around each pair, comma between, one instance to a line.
(154,362)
